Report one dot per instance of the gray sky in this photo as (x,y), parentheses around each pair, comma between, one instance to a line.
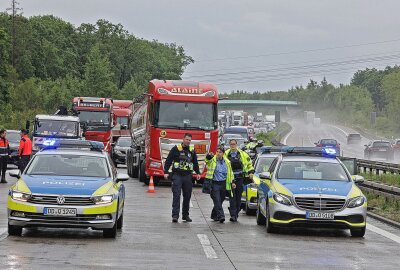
(254,44)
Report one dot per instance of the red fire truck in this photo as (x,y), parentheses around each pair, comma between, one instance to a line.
(171,109)
(95,114)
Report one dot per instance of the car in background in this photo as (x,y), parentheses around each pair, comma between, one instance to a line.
(227,137)
(119,149)
(69,183)
(396,145)
(329,143)
(261,164)
(241,130)
(13,137)
(379,149)
(353,138)
(311,187)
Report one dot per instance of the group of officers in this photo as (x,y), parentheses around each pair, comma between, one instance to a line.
(24,152)
(226,173)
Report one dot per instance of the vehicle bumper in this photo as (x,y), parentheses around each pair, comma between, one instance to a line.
(249,196)
(120,159)
(26,214)
(291,216)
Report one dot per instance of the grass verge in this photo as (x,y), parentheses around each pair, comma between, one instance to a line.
(385,207)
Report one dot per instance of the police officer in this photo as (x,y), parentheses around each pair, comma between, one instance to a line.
(183,159)
(24,150)
(242,167)
(220,174)
(4,155)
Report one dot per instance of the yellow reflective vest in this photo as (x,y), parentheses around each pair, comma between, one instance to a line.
(212,164)
(245,159)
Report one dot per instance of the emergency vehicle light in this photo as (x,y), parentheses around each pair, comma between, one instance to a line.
(72,144)
(316,151)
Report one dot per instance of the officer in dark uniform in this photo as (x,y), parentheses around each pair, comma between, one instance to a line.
(183,159)
(24,150)
(4,155)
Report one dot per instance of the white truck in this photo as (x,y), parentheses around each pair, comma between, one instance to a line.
(238,118)
(309,117)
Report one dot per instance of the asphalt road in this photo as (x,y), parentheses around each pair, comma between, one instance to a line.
(149,240)
(307,135)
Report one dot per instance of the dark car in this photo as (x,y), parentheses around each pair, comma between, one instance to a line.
(13,137)
(353,138)
(330,143)
(379,149)
(119,150)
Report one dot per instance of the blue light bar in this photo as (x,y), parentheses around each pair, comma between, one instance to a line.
(72,144)
(316,151)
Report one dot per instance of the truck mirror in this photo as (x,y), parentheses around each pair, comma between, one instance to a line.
(28,124)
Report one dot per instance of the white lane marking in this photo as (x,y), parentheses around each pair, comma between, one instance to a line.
(384,233)
(345,133)
(191,204)
(208,249)
(287,136)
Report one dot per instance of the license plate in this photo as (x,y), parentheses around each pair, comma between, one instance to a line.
(200,148)
(62,212)
(382,150)
(319,215)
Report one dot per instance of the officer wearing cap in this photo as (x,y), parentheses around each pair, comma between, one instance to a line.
(4,155)
(242,167)
(183,159)
(24,150)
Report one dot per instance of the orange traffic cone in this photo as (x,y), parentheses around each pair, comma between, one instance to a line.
(151,186)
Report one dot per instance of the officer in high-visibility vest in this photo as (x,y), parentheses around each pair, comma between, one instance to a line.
(242,167)
(183,159)
(4,155)
(24,150)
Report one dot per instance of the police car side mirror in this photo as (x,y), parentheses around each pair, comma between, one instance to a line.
(265,176)
(358,179)
(122,177)
(15,173)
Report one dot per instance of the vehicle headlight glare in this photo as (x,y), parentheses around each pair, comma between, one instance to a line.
(103,199)
(20,196)
(282,199)
(356,202)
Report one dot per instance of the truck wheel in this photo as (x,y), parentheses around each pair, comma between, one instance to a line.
(135,172)
(142,173)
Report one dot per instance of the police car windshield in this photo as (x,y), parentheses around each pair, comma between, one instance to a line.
(56,128)
(186,115)
(263,164)
(312,170)
(69,165)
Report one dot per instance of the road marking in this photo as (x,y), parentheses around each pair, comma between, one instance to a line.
(345,133)
(208,249)
(3,233)
(287,136)
(191,204)
(384,233)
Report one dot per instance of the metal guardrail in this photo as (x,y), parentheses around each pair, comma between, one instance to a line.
(377,167)
(381,189)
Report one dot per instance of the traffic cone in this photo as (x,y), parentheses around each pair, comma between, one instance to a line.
(151,186)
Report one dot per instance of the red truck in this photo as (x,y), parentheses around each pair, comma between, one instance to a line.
(171,109)
(122,112)
(96,115)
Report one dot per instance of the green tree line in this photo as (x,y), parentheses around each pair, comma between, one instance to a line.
(48,61)
(370,90)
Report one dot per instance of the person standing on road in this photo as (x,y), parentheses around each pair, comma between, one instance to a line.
(219,172)
(183,159)
(242,167)
(5,153)
(24,150)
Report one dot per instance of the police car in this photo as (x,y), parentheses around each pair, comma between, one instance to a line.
(311,187)
(262,163)
(68,184)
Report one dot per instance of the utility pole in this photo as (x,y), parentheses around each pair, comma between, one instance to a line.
(14,13)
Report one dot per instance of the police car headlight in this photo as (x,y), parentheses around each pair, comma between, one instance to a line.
(282,199)
(356,202)
(103,199)
(154,164)
(20,196)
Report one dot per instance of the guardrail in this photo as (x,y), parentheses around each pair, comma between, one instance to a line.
(377,167)
(381,189)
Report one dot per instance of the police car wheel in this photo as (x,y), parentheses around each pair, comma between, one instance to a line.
(120,221)
(268,224)
(357,232)
(112,232)
(248,211)
(14,230)
(259,217)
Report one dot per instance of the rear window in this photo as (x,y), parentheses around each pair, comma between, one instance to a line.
(328,141)
(354,135)
(381,144)
(312,170)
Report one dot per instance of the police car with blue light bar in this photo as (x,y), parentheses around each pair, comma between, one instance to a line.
(310,187)
(68,184)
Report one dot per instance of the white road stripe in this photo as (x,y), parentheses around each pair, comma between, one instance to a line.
(206,244)
(287,136)
(384,233)
(345,133)
(191,204)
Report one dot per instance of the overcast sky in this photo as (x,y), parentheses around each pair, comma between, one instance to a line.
(255,44)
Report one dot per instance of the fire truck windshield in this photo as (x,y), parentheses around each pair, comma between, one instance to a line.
(95,119)
(57,128)
(185,115)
